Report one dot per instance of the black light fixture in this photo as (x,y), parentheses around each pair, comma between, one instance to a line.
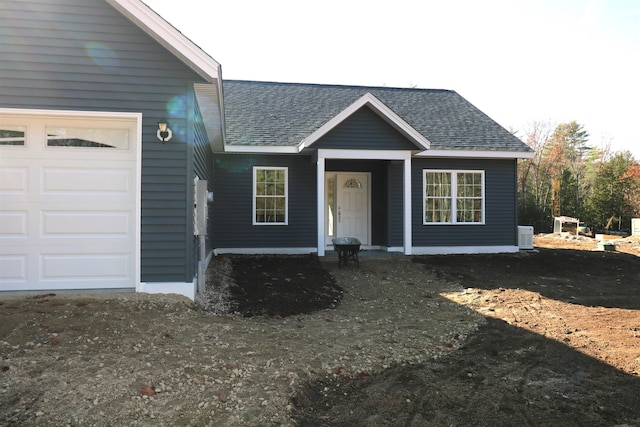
(164,134)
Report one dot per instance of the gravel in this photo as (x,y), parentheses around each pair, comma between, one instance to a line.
(137,359)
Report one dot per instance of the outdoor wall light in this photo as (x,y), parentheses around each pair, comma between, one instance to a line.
(164,133)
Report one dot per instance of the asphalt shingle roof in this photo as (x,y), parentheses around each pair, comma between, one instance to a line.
(283,114)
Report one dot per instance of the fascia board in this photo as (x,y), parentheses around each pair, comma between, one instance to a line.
(221,101)
(478,154)
(385,112)
(363,154)
(169,37)
(264,149)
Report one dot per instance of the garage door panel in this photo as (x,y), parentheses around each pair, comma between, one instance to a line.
(66,180)
(13,269)
(13,224)
(68,213)
(85,266)
(13,180)
(86,224)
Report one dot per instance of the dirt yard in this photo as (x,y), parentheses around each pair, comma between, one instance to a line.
(549,337)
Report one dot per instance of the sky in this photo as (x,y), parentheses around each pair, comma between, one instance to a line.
(519,61)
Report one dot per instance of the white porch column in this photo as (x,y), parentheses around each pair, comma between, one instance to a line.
(320,166)
(407,206)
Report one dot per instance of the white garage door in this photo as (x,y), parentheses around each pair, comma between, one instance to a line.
(69,201)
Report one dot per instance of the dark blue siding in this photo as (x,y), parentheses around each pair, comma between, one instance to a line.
(364,130)
(203,169)
(84,55)
(233,203)
(500,226)
(396,204)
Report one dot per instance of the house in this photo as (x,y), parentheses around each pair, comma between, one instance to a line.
(97,194)
(91,198)
(407,170)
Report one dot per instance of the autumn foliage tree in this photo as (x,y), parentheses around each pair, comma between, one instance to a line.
(596,185)
(614,199)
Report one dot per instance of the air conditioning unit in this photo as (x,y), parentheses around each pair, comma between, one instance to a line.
(525,237)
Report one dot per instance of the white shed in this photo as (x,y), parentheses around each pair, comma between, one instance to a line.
(565,223)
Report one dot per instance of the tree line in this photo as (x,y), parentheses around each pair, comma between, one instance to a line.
(597,185)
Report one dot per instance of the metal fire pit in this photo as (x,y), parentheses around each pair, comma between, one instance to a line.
(347,248)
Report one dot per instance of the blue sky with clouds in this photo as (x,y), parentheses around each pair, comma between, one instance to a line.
(519,62)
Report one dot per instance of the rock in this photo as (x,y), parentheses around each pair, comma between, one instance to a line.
(147,390)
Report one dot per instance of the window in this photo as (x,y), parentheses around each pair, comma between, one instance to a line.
(87,138)
(352,183)
(12,135)
(453,197)
(269,195)
(331,204)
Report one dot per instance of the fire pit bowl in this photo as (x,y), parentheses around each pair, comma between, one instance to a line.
(347,248)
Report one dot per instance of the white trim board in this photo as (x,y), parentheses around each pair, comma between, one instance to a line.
(477,154)
(187,289)
(364,154)
(461,250)
(265,251)
(72,113)
(271,149)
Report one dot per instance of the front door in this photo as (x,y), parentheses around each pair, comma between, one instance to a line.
(348,206)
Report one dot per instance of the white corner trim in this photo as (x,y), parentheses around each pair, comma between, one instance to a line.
(407,208)
(395,249)
(265,251)
(478,154)
(187,289)
(457,250)
(378,106)
(320,213)
(168,36)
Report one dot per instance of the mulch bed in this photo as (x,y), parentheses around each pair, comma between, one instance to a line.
(281,286)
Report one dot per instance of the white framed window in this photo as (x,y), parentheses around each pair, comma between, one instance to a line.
(453,196)
(270,195)
(12,135)
(87,137)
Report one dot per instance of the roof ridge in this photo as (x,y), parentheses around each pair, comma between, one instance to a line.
(334,85)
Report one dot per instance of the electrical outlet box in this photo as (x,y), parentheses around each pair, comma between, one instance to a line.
(201,209)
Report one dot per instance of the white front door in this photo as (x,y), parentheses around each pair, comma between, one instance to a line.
(348,206)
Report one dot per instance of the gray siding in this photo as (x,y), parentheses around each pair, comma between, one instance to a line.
(500,226)
(84,55)
(395,208)
(364,130)
(233,203)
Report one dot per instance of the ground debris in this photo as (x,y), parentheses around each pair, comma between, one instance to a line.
(400,348)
